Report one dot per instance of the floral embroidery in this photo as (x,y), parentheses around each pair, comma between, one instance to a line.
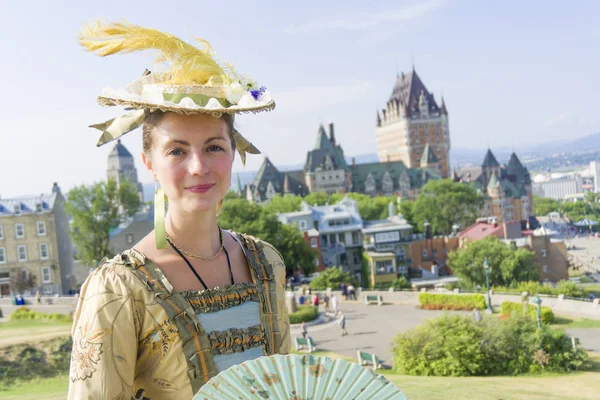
(161,340)
(317,370)
(87,348)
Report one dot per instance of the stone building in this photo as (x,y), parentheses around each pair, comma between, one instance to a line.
(507,189)
(35,241)
(121,166)
(412,128)
(326,170)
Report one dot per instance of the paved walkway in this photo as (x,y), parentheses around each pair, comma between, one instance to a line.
(372,328)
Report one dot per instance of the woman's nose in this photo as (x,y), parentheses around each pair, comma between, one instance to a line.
(198,165)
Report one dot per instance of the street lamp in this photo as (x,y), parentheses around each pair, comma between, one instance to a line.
(538,303)
(486,268)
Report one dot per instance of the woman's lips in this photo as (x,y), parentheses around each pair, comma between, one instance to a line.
(200,188)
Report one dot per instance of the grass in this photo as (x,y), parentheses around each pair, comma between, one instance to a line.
(31,330)
(48,388)
(595,289)
(568,322)
(577,385)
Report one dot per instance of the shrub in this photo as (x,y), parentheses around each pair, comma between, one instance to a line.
(22,313)
(401,283)
(431,301)
(304,314)
(546,314)
(31,361)
(332,278)
(455,345)
(568,288)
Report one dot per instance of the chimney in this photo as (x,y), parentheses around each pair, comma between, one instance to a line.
(391,209)
(331,133)
(427,227)
(353,162)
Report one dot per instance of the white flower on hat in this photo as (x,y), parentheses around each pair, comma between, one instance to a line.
(234,92)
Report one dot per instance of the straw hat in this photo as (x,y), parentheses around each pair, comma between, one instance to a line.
(194,82)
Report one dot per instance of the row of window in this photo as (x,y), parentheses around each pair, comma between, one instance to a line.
(22,253)
(46,275)
(20,230)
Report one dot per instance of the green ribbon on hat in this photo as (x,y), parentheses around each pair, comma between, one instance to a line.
(200,99)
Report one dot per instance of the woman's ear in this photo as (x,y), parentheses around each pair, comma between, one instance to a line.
(148,163)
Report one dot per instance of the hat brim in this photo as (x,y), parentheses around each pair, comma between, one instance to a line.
(183,109)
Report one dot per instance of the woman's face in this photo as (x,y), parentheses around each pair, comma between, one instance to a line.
(191,157)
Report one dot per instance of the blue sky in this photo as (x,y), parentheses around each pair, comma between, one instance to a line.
(511,72)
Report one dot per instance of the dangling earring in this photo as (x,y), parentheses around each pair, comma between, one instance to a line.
(159,217)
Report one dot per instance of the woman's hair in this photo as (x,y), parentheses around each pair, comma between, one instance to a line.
(153,118)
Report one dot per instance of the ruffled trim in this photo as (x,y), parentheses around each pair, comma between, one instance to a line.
(221,298)
(236,340)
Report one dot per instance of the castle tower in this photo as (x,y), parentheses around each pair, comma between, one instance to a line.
(410,121)
(121,166)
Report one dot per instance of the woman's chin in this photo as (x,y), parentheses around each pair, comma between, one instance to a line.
(201,206)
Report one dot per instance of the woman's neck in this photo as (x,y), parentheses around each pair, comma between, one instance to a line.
(197,233)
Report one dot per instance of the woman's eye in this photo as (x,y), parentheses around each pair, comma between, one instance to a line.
(215,148)
(175,152)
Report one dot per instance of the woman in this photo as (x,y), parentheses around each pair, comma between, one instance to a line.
(190,299)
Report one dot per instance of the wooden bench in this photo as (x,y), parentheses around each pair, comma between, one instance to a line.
(300,343)
(369,359)
(373,298)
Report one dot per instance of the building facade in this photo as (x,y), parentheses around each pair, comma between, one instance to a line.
(559,189)
(338,228)
(507,189)
(326,171)
(35,242)
(550,256)
(386,245)
(412,126)
(121,166)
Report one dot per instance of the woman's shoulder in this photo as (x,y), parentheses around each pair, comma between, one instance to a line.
(272,255)
(116,272)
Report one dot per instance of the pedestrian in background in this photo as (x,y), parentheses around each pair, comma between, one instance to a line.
(334,304)
(343,324)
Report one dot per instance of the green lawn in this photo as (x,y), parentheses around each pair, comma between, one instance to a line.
(48,389)
(595,289)
(579,385)
(569,322)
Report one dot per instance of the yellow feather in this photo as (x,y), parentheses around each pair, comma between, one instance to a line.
(188,64)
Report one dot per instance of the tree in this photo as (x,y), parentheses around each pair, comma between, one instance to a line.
(444,203)
(95,210)
(543,206)
(284,204)
(250,218)
(508,264)
(20,282)
(372,208)
(332,278)
(317,199)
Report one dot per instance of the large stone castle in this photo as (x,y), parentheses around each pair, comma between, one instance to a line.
(412,128)
(413,146)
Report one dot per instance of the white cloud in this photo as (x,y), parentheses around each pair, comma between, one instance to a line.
(361,21)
